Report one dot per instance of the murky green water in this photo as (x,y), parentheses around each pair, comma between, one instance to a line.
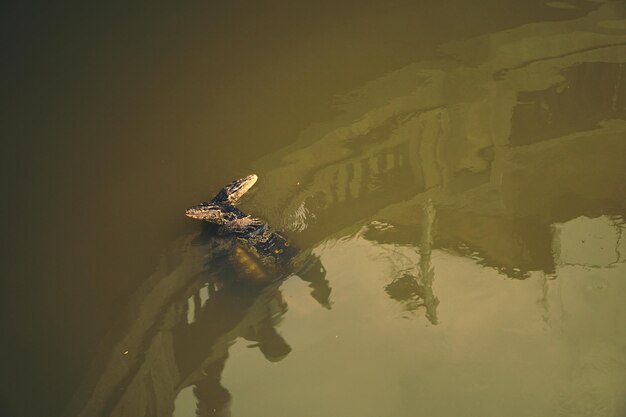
(453,174)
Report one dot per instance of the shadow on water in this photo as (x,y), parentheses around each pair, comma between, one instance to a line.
(507,155)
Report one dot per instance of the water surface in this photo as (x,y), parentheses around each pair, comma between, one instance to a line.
(454,177)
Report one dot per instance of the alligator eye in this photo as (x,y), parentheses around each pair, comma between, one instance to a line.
(286,243)
(278,251)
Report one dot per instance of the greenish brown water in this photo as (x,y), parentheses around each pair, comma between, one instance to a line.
(453,173)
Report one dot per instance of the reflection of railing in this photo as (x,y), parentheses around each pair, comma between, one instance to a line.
(414,286)
(359,186)
(427,272)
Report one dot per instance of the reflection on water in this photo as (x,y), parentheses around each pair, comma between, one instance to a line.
(524,132)
(187,317)
(416,289)
(468,214)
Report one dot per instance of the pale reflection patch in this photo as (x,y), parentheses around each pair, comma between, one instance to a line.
(195,302)
(596,242)
(190,310)
(185,404)
(204,294)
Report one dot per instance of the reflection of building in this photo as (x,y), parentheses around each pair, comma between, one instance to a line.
(181,325)
(526,132)
(586,302)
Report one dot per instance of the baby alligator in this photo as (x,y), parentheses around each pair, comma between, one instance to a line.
(256,241)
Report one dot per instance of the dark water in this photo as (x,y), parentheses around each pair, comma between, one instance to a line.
(453,173)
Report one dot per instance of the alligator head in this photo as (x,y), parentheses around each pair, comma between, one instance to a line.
(233,191)
(221,210)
